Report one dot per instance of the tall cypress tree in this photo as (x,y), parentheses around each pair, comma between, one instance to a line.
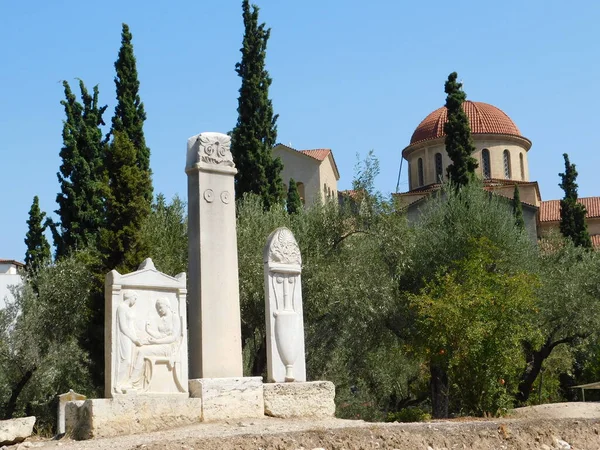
(81,175)
(459,143)
(38,248)
(126,207)
(518,208)
(293,203)
(129,114)
(572,213)
(255,133)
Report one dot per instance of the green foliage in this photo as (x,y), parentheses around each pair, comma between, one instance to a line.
(129,114)
(40,350)
(459,143)
(347,292)
(255,133)
(518,208)
(126,206)
(81,176)
(164,232)
(471,318)
(409,415)
(293,203)
(38,248)
(572,213)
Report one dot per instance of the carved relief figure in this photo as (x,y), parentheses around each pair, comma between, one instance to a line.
(127,340)
(163,342)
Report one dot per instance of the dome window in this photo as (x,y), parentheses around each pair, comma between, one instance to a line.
(485,163)
(420,169)
(522,166)
(507,172)
(439,168)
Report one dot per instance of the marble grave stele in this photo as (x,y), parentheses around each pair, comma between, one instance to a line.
(145,333)
(283,308)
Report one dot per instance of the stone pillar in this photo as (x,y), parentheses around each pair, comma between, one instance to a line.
(283,308)
(215,344)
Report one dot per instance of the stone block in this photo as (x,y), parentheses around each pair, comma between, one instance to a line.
(310,399)
(98,418)
(13,431)
(229,398)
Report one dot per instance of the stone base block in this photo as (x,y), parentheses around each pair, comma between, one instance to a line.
(13,431)
(229,398)
(310,399)
(97,418)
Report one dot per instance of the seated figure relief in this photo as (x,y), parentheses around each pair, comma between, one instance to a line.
(142,347)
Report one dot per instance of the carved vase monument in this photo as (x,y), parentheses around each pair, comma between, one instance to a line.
(215,326)
(288,394)
(283,309)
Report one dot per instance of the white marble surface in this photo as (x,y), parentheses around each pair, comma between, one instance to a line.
(97,418)
(283,308)
(229,398)
(145,333)
(311,399)
(214,302)
(16,430)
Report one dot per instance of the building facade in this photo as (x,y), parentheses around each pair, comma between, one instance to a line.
(501,152)
(9,276)
(314,171)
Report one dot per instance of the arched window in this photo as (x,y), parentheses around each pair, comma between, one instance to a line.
(420,168)
(522,166)
(439,168)
(507,172)
(300,187)
(485,163)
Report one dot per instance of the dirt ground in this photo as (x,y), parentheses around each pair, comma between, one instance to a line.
(560,426)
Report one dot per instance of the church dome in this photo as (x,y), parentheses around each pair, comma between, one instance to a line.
(483,119)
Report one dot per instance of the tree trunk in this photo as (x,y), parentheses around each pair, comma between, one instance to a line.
(259,365)
(439,391)
(11,405)
(535,358)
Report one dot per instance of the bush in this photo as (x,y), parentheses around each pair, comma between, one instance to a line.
(408,415)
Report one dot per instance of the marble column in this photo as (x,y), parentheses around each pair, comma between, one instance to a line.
(215,345)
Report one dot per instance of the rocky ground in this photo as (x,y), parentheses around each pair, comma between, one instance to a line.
(559,426)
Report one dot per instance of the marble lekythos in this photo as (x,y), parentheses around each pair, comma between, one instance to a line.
(283,311)
(146,339)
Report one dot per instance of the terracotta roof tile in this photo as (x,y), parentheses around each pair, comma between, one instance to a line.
(596,241)
(550,209)
(483,119)
(12,261)
(319,153)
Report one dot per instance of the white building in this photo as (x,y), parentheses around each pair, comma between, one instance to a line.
(9,276)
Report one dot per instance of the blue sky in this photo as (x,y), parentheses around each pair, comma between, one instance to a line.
(347,75)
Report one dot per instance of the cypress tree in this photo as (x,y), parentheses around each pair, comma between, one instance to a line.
(255,133)
(129,114)
(518,208)
(293,203)
(459,143)
(38,248)
(81,175)
(572,213)
(126,207)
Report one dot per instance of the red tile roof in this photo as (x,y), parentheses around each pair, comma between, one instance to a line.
(12,261)
(483,119)
(318,153)
(550,210)
(596,241)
